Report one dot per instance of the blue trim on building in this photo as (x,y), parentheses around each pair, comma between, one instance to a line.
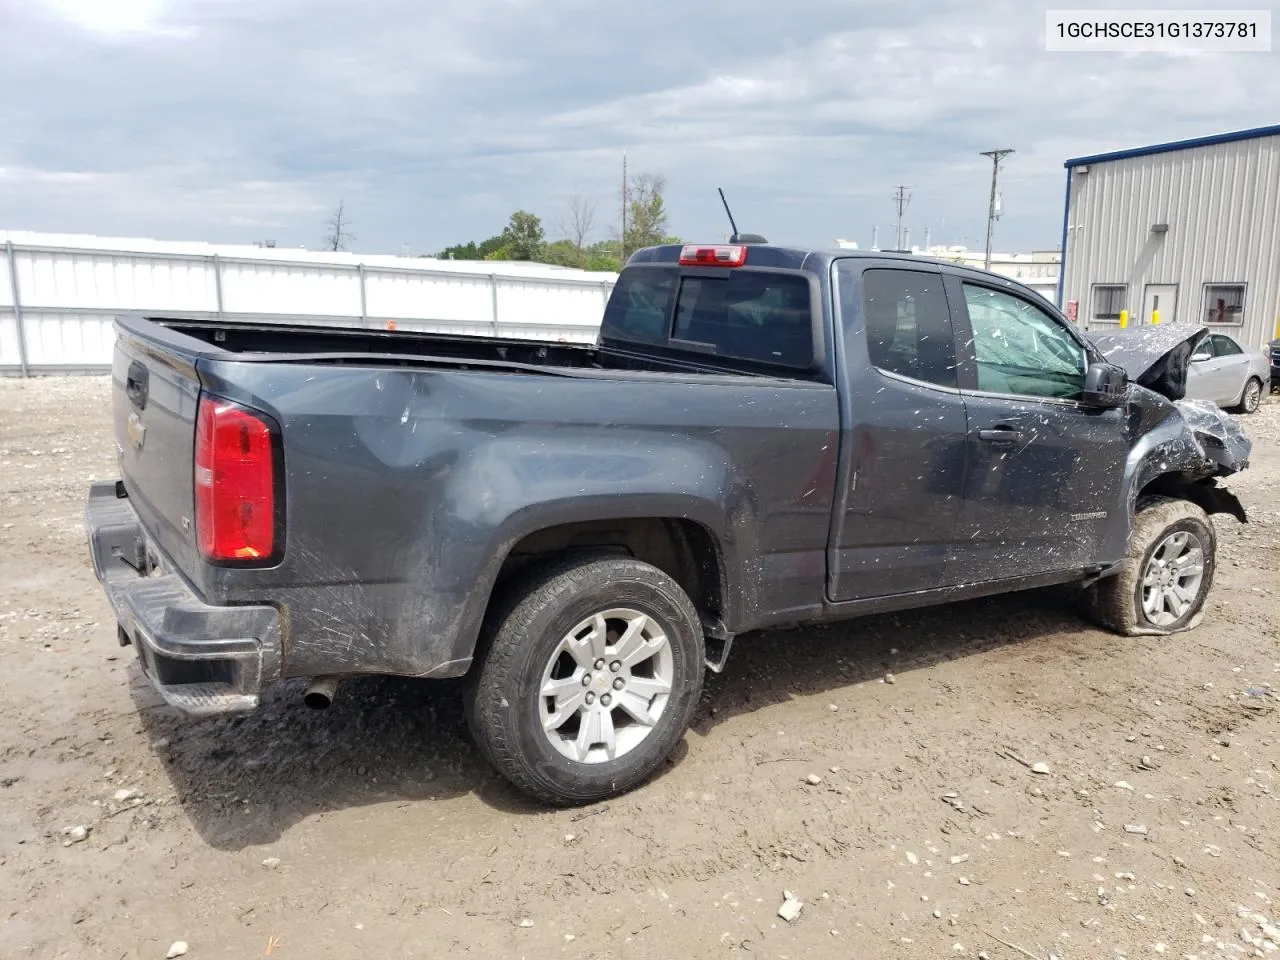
(1062,261)
(1209,141)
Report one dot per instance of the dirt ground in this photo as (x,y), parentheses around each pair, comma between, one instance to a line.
(373,830)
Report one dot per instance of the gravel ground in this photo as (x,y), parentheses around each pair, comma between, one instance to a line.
(880,771)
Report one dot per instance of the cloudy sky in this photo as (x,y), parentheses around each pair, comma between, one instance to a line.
(241,120)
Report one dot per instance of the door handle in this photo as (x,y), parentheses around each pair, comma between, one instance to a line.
(135,384)
(1001,435)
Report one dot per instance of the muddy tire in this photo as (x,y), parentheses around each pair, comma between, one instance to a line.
(591,674)
(1163,583)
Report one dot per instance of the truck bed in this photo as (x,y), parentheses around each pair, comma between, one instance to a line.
(337,345)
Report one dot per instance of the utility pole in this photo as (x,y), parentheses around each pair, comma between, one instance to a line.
(875,238)
(622,241)
(901,198)
(996,156)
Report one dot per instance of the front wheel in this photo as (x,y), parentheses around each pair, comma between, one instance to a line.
(1251,398)
(1164,581)
(592,674)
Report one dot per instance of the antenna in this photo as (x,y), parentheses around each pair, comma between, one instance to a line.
(738,237)
(728,212)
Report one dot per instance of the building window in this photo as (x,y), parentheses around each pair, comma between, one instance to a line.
(1224,303)
(1108,300)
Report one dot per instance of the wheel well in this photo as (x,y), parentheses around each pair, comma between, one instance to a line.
(686,551)
(1205,493)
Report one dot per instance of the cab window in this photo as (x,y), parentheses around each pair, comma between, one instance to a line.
(1019,349)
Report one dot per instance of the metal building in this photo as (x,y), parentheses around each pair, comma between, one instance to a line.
(1183,232)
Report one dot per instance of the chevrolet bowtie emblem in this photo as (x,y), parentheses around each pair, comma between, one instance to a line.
(137,430)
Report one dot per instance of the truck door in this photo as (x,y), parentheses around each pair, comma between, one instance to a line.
(1043,472)
(902,451)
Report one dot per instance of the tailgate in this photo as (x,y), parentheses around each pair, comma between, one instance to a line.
(155,392)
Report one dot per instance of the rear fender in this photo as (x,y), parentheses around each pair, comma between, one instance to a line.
(517,486)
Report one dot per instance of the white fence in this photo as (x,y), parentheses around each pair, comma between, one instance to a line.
(59,294)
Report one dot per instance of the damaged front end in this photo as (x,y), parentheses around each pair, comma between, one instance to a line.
(1218,433)
(1190,443)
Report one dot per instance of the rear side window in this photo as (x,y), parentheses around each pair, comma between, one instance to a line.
(1225,346)
(908,327)
(732,313)
(640,305)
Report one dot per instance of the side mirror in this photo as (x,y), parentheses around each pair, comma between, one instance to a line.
(1200,357)
(1105,385)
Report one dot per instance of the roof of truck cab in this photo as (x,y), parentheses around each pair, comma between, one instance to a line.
(778,255)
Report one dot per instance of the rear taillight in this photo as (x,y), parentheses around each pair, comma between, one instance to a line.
(235,478)
(720,255)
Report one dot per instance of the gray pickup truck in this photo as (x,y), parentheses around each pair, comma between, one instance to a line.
(761,436)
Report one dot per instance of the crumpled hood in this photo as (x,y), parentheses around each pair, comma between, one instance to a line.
(1157,358)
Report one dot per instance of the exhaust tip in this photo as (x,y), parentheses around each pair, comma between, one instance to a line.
(320,692)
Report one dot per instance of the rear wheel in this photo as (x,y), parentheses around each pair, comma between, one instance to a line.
(1251,398)
(592,674)
(1163,583)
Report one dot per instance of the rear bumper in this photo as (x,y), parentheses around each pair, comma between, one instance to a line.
(203,660)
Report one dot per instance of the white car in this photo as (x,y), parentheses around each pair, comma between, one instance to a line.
(1229,374)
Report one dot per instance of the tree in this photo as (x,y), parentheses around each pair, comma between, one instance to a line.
(646,213)
(604,255)
(472,250)
(339,236)
(563,253)
(579,221)
(523,237)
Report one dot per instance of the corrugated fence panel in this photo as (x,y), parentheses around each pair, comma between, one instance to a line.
(563,334)
(290,289)
(429,296)
(8,340)
(113,282)
(70,288)
(541,303)
(74,340)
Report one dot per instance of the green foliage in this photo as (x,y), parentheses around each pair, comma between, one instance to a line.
(471,250)
(563,253)
(604,256)
(647,213)
(523,237)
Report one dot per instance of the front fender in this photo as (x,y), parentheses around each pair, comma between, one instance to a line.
(1185,443)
